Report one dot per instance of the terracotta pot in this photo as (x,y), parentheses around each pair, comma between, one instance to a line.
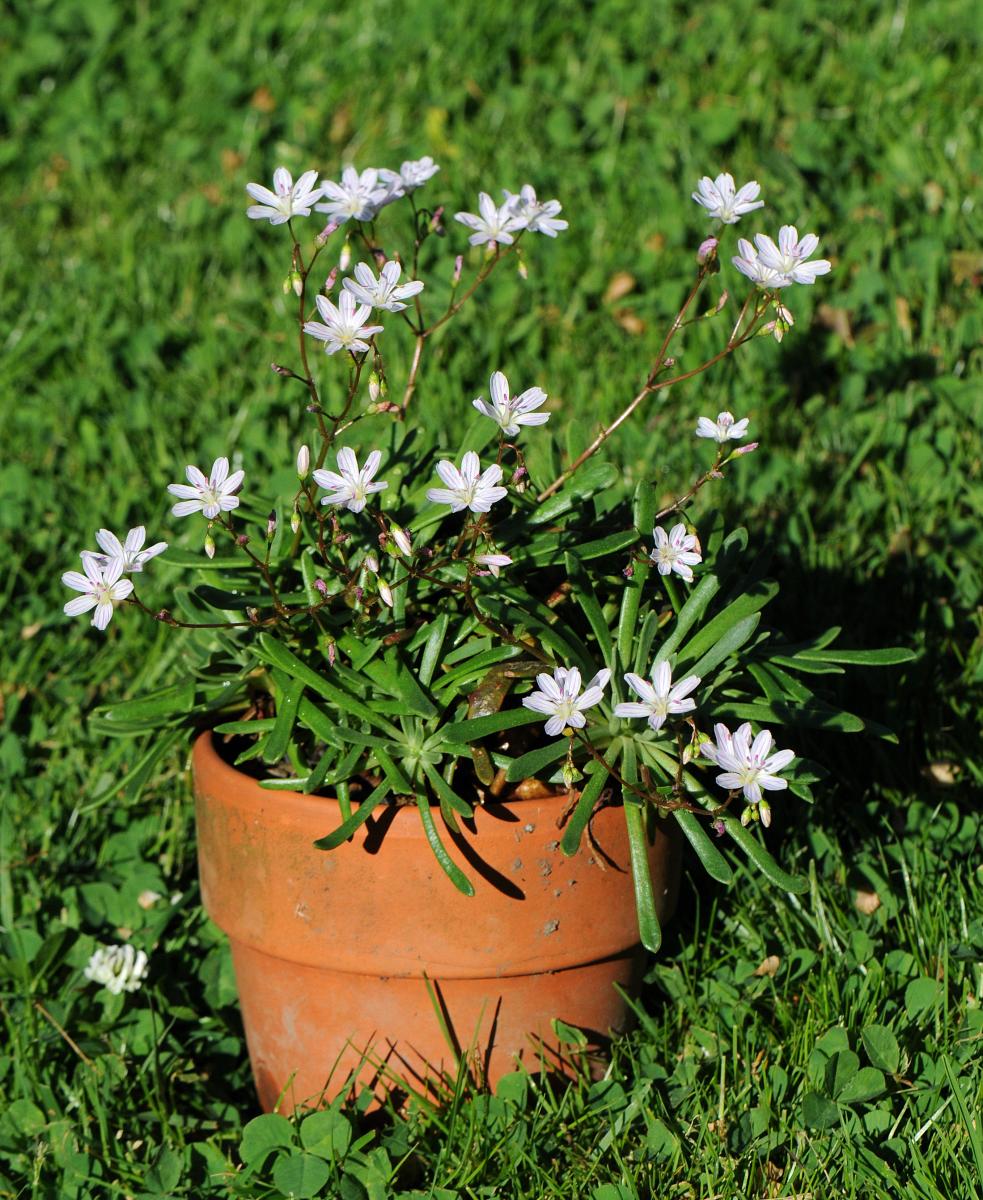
(333,950)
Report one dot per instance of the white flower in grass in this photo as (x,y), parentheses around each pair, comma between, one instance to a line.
(288,199)
(788,258)
(723,429)
(209,496)
(386,291)
(358,197)
(746,765)
(658,700)
(510,412)
(777,266)
(350,485)
(538,216)
(344,325)
(749,264)
(493,225)
(494,562)
(117,968)
(677,551)
(468,487)
(101,587)
(721,200)
(411,175)
(130,553)
(561,699)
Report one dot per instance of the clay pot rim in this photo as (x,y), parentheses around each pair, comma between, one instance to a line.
(404,823)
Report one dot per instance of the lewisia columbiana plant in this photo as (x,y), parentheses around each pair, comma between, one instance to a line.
(427,614)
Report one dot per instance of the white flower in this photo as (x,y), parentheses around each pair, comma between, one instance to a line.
(788,258)
(344,326)
(358,197)
(118,968)
(493,225)
(659,699)
(101,588)
(351,486)
(382,292)
(677,551)
(535,215)
(209,496)
(411,175)
(748,263)
(771,266)
(130,553)
(720,199)
(469,487)
(746,766)
(494,562)
(303,462)
(561,699)
(288,199)
(509,412)
(724,428)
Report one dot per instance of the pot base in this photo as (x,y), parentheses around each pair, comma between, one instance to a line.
(314,1033)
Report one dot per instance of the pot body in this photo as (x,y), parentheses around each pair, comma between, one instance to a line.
(364,964)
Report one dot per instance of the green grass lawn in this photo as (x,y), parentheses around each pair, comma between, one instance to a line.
(828,1045)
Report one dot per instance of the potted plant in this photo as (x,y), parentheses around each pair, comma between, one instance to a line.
(456,703)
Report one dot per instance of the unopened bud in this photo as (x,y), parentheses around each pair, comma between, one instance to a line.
(209,545)
(522,268)
(294,521)
(345,258)
(270,526)
(321,586)
(163,615)
(707,251)
(332,652)
(519,474)
(280,370)
(295,283)
(748,449)
(385,593)
(629,571)
(402,540)
(242,540)
(458,268)
(764,812)
(718,827)
(570,774)
(371,563)
(374,388)
(303,462)
(436,221)
(253,615)
(330,281)
(325,233)
(748,815)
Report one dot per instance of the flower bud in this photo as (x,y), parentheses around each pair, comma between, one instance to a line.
(748,816)
(436,221)
(332,651)
(718,827)
(402,540)
(374,388)
(330,281)
(270,526)
(209,545)
(321,586)
(242,540)
(522,268)
(748,449)
(458,268)
(293,283)
(764,812)
(707,251)
(345,258)
(294,521)
(371,563)
(325,233)
(303,462)
(253,615)
(385,593)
